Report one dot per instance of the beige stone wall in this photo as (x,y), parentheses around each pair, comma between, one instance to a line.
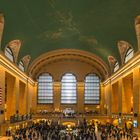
(120,94)
(31,99)
(107,105)
(127,89)
(2,84)
(78,68)
(102,99)
(61,61)
(136,90)
(22,98)
(57,97)
(14,85)
(57,69)
(80,99)
(127,95)
(18,96)
(11,98)
(114,98)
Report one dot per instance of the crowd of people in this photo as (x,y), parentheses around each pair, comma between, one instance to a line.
(45,130)
(115,132)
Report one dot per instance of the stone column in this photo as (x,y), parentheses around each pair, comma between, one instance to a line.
(136,97)
(80,97)
(31,95)
(22,98)
(27,97)
(2,86)
(102,102)
(11,104)
(57,96)
(136,90)
(120,90)
(107,105)
(16,90)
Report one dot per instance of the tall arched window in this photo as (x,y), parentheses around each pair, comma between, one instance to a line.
(116,66)
(68,89)
(45,89)
(9,54)
(129,55)
(21,66)
(92,89)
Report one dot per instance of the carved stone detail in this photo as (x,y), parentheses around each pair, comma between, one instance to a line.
(137,28)
(1,26)
(69,55)
(123,46)
(15,45)
(112,62)
(26,60)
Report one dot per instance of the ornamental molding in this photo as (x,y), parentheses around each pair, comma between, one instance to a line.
(14,45)
(26,60)
(68,55)
(123,47)
(1,26)
(112,62)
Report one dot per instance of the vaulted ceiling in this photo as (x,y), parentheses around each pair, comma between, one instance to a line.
(91,25)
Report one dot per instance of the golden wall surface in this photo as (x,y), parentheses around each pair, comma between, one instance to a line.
(123,87)
(120,93)
(17,90)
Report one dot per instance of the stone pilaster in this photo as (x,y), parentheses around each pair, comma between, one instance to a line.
(31,98)
(57,96)
(107,105)
(120,90)
(80,97)
(16,90)
(2,86)
(136,90)
(102,102)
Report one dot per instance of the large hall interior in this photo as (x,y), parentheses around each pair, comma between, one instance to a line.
(69,69)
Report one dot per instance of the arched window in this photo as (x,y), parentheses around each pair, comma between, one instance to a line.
(129,55)
(116,66)
(92,89)
(21,66)
(68,89)
(45,89)
(9,54)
